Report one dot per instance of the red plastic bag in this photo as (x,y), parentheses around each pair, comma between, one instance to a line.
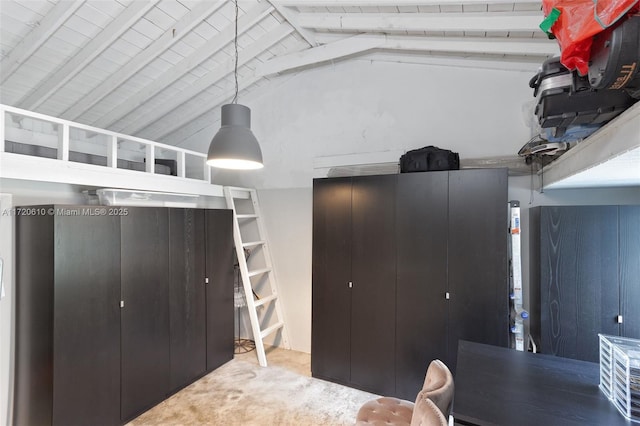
(579,21)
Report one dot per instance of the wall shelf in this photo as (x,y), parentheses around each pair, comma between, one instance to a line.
(610,157)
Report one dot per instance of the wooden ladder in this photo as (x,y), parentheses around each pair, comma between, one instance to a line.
(265,312)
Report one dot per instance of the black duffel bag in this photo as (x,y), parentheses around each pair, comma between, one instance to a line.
(428,159)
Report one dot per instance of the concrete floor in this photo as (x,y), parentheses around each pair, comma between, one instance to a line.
(242,393)
(297,362)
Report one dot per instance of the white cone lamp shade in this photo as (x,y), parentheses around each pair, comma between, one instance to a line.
(235,146)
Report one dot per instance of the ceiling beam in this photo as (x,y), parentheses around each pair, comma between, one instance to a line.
(381,22)
(291,18)
(367,42)
(392,3)
(328,52)
(191,20)
(528,64)
(87,53)
(53,20)
(245,55)
(211,47)
(488,45)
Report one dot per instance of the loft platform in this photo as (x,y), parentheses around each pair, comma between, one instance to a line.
(37,147)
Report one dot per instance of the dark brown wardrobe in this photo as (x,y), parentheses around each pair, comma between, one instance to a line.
(585,277)
(404,266)
(353,266)
(113,310)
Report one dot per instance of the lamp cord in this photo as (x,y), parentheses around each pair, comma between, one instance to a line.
(235,44)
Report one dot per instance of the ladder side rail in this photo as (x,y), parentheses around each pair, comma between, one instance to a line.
(246,284)
(273,279)
(251,305)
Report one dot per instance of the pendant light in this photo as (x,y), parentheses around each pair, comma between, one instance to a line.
(235,146)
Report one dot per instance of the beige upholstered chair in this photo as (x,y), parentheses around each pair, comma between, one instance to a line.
(427,413)
(438,386)
(385,411)
(432,405)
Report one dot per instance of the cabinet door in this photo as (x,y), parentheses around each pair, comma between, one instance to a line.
(219,291)
(186,296)
(331,273)
(421,308)
(86,321)
(630,270)
(578,279)
(145,316)
(478,285)
(373,271)
(33,395)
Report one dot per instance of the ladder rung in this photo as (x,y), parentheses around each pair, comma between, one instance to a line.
(238,189)
(246,216)
(254,243)
(239,192)
(264,333)
(265,300)
(259,271)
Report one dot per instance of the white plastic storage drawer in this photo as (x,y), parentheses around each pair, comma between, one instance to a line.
(620,374)
(123,197)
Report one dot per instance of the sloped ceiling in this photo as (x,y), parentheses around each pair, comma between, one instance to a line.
(151,68)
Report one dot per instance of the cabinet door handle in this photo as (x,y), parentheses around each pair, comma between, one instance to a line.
(619,319)
(447,295)
(350,284)
(121,304)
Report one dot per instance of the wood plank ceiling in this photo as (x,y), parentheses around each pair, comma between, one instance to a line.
(160,69)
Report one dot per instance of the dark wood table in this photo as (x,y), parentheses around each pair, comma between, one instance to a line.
(500,386)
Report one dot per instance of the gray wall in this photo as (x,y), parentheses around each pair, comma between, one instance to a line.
(360,107)
(287,218)
(356,108)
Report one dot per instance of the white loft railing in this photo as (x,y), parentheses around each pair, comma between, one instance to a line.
(67,138)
